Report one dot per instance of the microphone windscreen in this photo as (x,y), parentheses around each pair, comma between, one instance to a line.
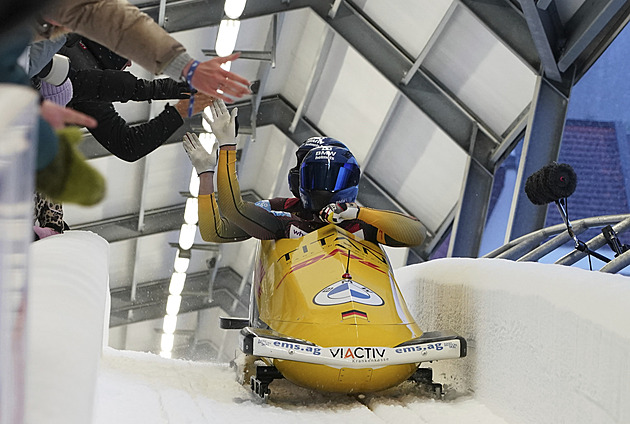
(550,183)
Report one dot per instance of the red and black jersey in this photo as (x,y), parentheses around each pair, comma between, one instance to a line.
(283,206)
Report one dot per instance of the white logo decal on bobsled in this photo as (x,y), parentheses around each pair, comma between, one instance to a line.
(421,348)
(290,347)
(345,291)
(296,232)
(359,354)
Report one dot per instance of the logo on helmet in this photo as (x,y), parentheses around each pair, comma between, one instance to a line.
(328,174)
(325,153)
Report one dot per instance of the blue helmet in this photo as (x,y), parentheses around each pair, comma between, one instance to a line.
(328,174)
(294,173)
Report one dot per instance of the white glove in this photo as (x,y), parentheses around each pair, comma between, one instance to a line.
(222,123)
(338,212)
(200,158)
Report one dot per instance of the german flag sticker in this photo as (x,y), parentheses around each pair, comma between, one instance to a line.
(353,313)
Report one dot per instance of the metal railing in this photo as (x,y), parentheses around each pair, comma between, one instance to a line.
(534,246)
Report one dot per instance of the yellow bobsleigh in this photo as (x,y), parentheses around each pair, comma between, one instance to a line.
(327,314)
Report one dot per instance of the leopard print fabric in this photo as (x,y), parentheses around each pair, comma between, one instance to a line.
(48,213)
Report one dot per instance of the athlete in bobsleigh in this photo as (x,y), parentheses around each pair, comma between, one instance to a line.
(325,310)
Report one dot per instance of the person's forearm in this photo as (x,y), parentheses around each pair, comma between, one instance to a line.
(394,229)
(177,68)
(102,85)
(140,39)
(212,227)
(130,142)
(206,183)
(253,219)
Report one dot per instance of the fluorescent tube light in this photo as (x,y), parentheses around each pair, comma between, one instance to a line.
(167,342)
(234,8)
(177,283)
(191,215)
(172,304)
(181,262)
(187,236)
(226,38)
(170,324)
(193,187)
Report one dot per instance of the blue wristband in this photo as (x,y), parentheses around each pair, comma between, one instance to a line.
(189,77)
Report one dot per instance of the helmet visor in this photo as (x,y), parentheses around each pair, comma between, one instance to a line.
(329,176)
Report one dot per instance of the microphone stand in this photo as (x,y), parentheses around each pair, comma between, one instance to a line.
(579,245)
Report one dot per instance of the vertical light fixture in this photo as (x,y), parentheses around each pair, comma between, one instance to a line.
(193,186)
(167,345)
(228,29)
(177,283)
(169,325)
(234,8)
(191,215)
(172,304)
(224,46)
(182,260)
(187,236)
(226,39)
(176,286)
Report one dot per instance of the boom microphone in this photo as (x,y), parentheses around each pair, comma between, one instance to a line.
(550,183)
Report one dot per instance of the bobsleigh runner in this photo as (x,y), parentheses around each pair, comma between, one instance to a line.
(327,314)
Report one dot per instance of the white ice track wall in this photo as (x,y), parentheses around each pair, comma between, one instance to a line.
(68,308)
(546,343)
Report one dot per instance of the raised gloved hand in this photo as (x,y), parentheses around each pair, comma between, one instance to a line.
(198,155)
(338,212)
(222,123)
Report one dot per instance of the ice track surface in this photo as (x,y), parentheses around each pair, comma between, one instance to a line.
(138,388)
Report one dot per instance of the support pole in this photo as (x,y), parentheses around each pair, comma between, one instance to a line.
(540,146)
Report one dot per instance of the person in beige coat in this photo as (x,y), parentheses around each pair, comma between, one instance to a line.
(136,36)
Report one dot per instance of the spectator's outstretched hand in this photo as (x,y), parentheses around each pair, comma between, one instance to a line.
(198,155)
(222,123)
(338,212)
(59,116)
(210,77)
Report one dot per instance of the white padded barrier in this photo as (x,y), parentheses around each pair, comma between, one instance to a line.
(546,343)
(66,321)
(17,161)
